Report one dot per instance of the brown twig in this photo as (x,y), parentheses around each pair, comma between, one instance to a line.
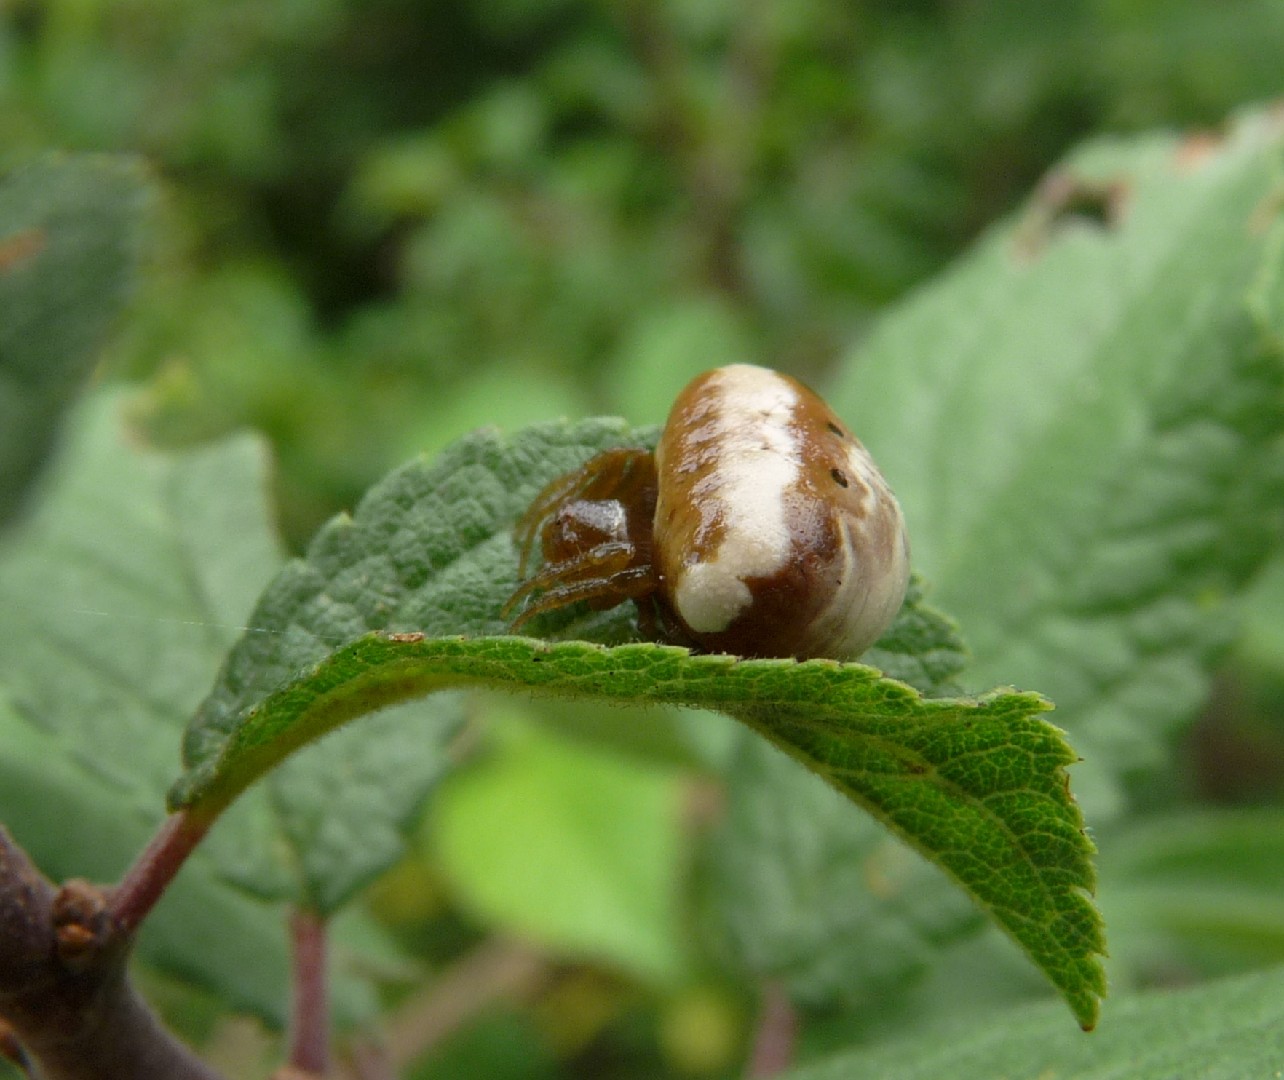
(64,992)
(495,971)
(310,1012)
(369,1060)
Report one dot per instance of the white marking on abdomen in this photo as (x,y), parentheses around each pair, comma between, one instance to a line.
(758,464)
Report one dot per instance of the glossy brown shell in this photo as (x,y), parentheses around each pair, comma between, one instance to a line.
(775,534)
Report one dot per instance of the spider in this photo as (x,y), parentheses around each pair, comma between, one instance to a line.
(760,526)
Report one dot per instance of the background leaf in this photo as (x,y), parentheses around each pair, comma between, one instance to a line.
(117,599)
(799,890)
(1195,892)
(1093,404)
(343,812)
(1263,641)
(571,847)
(70,239)
(78,824)
(1223,1031)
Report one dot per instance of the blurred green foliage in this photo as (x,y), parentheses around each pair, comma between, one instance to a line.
(387,222)
(383,212)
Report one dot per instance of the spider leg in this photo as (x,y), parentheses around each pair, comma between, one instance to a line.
(610,577)
(626,585)
(602,562)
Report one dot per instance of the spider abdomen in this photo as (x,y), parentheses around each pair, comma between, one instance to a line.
(775,534)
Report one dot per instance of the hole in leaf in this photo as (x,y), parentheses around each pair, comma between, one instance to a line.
(1065,202)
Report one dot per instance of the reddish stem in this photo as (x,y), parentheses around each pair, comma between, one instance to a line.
(69,1007)
(493,972)
(155,868)
(775,1035)
(369,1060)
(310,1013)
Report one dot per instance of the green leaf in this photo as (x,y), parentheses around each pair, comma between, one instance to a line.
(1222,1031)
(1262,646)
(427,551)
(1081,421)
(667,347)
(345,808)
(571,847)
(70,230)
(800,890)
(124,589)
(118,597)
(976,785)
(396,564)
(796,888)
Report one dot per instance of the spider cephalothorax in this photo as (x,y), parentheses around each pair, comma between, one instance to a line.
(595,529)
(760,526)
